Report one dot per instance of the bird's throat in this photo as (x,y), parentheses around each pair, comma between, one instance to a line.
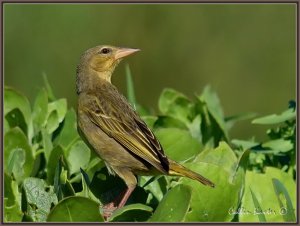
(103,75)
(90,80)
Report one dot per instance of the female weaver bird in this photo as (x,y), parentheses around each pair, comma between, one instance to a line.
(109,124)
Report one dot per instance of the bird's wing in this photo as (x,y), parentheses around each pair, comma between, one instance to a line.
(126,127)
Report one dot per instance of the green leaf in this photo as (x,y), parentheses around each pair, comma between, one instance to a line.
(149,120)
(60,106)
(15,163)
(39,198)
(279,145)
(284,200)
(94,165)
(222,156)
(130,87)
(106,187)
(8,191)
(78,156)
(261,216)
(52,122)
(178,144)
(156,185)
(47,143)
(131,213)
(212,102)
(16,141)
(261,185)
(69,132)
(48,88)
(15,118)
(62,186)
(71,210)
(40,108)
(175,104)
(241,165)
(169,122)
(54,158)
(12,213)
(244,144)
(174,206)
(232,120)
(195,128)
(12,209)
(85,187)
(6,126)
(13,99)
(213,204)
(274,119)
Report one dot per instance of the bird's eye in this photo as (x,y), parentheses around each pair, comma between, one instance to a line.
(105,50)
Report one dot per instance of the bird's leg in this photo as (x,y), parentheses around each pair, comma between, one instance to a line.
(109,208)
(126,196)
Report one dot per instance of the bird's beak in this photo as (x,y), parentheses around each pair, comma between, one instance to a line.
(123,52)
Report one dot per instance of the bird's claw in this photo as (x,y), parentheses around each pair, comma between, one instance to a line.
(107,210)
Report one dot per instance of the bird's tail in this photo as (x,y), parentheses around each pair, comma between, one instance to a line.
(178,170)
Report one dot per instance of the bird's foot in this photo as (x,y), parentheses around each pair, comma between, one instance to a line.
(107,210)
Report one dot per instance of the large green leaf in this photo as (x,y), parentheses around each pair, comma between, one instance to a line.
(157,185)
(40,108)
(244,144)
(13,99)
(52,122)
(260,216)
(175,104)
(166,121)
(75,209)
(174,206)
(211,100)
(54,158)
(48,87)
(12,209)
(56,114)
(178,144)
(12,213)
(69,133)
(15,118)
(47,143)
(149,120)
(86,192)
(18,157)
(8,190)
(213,204)
(274,119)
(221,166)
(262,187)
(284,201)
(78,156)
(280,145)
(5,125)
(221,156)
(39,198)
(132,213)
(60,106)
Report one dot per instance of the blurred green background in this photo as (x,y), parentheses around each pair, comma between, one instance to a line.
(246,52)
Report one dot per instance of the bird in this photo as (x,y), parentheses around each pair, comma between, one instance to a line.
(109,124)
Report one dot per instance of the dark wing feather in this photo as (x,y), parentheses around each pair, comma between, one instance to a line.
(119,121)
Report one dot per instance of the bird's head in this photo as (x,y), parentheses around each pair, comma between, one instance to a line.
(103,59)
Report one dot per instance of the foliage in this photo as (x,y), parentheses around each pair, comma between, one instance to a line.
(280,150)
(52,175)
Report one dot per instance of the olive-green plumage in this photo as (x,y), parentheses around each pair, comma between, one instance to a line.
(112,127)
